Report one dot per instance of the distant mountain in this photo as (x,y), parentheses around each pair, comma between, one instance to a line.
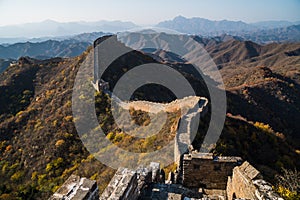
(284,34)
(86,37)
(274,24)
(204,26)
(83,37)
(260,32)
(53,29)
(43,50)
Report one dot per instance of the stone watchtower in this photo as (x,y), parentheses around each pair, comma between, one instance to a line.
(203,170)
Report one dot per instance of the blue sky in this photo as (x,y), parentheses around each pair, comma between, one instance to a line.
(146,12)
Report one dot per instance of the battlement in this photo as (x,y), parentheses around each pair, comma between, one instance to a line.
(122,186)
(77,188)
(127,184)
(209,156)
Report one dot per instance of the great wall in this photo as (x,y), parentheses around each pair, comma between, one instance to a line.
(204,177)
(201,176)
(198,175)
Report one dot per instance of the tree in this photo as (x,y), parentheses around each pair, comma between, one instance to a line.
(288,184)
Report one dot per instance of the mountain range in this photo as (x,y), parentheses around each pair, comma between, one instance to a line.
(204,26)
(43,50)
(49,29)
(260,32)
(70,47)
(60,47)
(40,148)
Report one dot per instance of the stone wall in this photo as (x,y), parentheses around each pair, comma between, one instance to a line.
(76,188)
(202,170)
(185,136)
(127,184)
(124,185)
(247,183)
(204,177)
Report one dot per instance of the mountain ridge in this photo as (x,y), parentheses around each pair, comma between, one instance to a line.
(260,32)
(44,50)
(195,25)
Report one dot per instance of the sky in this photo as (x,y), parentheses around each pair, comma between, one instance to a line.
(146,12)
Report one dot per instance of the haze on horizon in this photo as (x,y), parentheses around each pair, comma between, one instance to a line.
(146,12)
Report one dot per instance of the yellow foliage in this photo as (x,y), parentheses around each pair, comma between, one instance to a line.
(55,188)
(58,162)
(4,168)
(59,143)
(6,197)
(94,177)
(54,123)
(68,135)
(68,118)
(119,137)
(90,157)
(170,168)
(69,103)
(68,171)
(82,97)
(41,178)
(49,93)
(2,144)
(16,176)
(287,194)
(54,164)
(19,113)
(149,142)
(34,175)
(14,166)
(38,125)
(111,136)
(48,167)
(264,127)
